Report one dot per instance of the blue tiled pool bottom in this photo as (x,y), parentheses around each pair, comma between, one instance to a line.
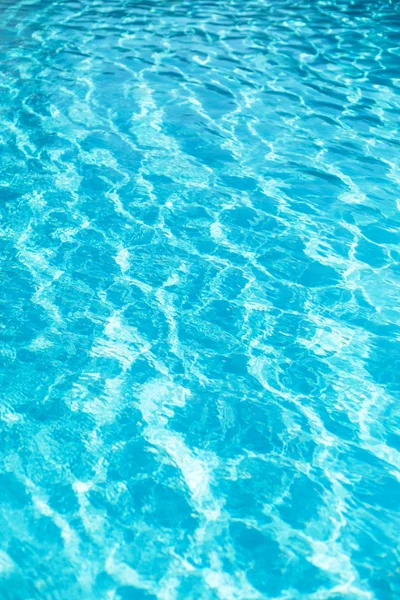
(200,300)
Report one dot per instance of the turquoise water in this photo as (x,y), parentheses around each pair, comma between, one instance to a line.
(200,286)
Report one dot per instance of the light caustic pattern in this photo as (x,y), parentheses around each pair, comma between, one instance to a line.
(200,285)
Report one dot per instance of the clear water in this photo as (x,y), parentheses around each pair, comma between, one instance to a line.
(200,285)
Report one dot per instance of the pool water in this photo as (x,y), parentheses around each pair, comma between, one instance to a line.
(200,299)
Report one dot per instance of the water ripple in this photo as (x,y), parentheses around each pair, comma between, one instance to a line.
(200,325)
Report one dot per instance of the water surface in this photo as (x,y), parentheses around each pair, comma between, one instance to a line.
(200,285)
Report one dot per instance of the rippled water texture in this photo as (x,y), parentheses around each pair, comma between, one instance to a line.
(200,285)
